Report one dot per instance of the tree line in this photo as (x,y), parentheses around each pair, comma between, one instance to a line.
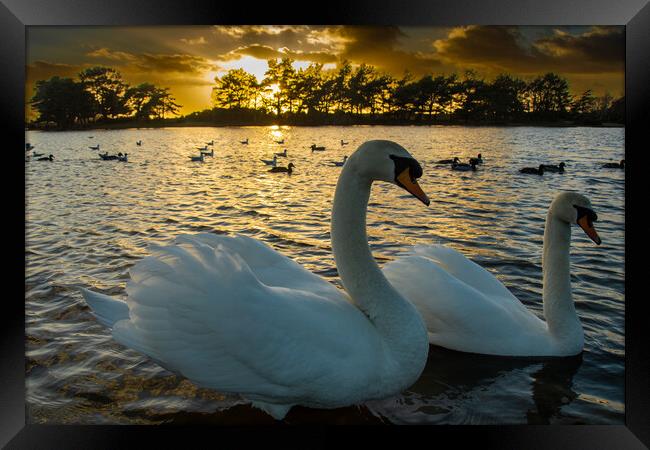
(346,95)
(366,92)
(99,95)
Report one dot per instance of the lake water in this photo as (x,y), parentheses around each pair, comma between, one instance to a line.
(88,221)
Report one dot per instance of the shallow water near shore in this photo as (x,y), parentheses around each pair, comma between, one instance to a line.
(89,221)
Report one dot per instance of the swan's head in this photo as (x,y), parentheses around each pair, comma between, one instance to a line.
(572,207)
(390,162)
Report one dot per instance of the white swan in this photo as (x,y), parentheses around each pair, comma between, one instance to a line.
(231,314)
(472,311)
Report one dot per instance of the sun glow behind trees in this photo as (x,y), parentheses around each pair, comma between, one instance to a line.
(362,90)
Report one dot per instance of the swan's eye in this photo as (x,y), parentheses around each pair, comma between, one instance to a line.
(402,163)
(586,212)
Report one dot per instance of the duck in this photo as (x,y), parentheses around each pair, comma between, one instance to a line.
(34,154)
(620,165)
(210,143)
(288,169)
(464,167)
(94,147)
(203,149)
(477,160)
(340,163)
(554,168)
(138,143)
(533,171)
(244,142)
(449,161)
(270,162)
(234,315)
(28,147)
(208,153)
(124,158)
(284,153)
(197,158)
(106,157)
(46,158)
(315,148)
(343,143)
(467,309)
(280,141)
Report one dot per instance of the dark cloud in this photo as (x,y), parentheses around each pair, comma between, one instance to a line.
(149,62)
(267,52)
(41,70)
(255,50)
(498,48)
(381,47)
(602,49)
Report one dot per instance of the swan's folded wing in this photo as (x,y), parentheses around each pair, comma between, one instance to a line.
(457,315)
(464,269)
(201,312)
(268,266)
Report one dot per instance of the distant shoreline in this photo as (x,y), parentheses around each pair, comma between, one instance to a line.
(182,124)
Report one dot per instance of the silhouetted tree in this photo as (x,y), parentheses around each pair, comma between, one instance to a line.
(165,103)
(308,88)
(341,86)
(505,97)
(549,96)
(616,111)
(283,75)
(236,89)
(63,101)
(472,98)
(108,89)
(141,100)
(345,94)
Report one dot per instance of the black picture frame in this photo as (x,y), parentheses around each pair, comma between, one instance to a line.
(15,15)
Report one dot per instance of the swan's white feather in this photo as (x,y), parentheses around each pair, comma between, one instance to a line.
(464,306)
(107,310)
(202,308)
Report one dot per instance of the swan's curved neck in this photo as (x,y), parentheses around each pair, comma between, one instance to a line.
(395,318)
(559,310)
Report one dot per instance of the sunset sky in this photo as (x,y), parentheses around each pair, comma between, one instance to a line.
(186,59)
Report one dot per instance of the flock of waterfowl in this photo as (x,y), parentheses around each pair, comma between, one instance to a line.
(472,164)
(232,314)
(454,163)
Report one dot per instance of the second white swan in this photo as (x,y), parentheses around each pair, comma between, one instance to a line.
(472,311)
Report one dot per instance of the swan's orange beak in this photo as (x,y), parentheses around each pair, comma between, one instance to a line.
(410,184)
(589,229)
